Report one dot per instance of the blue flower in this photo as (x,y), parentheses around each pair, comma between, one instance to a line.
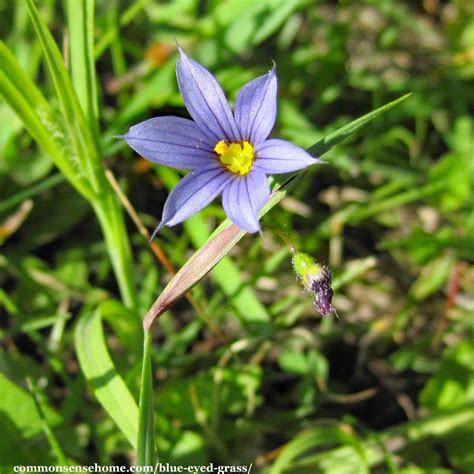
(227,153)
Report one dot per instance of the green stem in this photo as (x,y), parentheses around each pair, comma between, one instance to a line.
(31,191)
(49,433)
(146,455)
(113,227)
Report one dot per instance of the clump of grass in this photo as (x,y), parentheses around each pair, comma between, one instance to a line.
(244,370)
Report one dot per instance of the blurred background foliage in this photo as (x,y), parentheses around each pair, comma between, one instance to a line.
(254,375)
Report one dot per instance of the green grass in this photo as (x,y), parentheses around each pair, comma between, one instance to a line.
(243,371)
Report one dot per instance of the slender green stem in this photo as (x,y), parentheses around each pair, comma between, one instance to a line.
(283,236)
(50,436)
(146,454)
(132,11)
(112,223)
(32,191)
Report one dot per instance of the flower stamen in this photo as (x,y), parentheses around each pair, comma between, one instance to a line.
(236,157)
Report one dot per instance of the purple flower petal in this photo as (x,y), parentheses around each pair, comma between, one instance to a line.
(256,107)
(205,100)
(244,197)
(194,192)
(279,156)
(171,141)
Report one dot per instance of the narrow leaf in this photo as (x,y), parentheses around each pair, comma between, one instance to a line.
(101,374)
(22,441)
(47,430)
(146,426)
(73,115)
(324,434)
(80,15)
(21,93)
(17,405)
(430,428)
(80,160)
(336,137)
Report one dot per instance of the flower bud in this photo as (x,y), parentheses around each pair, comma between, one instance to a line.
(316,280)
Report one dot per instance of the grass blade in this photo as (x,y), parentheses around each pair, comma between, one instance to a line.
(86,148)
(34,190)
(21,423)
(29,104)
(80,15)
(433,427)
(74,120)
(324,434)
(336,137)
(127,16)
(146,426)
(48,432)
(100,372)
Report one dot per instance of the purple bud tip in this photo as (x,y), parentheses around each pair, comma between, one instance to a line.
(322,291)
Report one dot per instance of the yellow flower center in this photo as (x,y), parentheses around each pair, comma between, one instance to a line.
(236,157)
